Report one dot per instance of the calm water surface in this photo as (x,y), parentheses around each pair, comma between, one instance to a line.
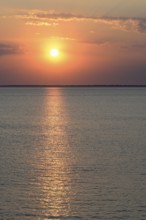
(72,153)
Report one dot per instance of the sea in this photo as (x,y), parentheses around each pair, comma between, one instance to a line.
(73,153)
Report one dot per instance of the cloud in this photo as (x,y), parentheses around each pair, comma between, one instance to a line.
(52,18)
(38,23)
(9,49)
(131,72)
(127,24)
(122,23)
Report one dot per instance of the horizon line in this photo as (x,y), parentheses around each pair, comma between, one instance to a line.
(72,85)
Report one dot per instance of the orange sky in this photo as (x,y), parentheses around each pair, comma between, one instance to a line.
(98,42)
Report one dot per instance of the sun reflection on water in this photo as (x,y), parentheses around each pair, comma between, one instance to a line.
(54,158)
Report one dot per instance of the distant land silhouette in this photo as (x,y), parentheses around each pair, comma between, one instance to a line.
(118,85)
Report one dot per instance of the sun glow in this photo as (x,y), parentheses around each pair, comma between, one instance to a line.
(54,52)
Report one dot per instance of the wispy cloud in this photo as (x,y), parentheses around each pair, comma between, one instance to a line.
(48,18)
(52,18)
(38,23)
(9,49)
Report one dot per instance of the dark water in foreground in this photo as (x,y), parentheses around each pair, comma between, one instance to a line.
(72,153)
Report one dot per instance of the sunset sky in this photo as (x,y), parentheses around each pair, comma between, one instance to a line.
(97,42)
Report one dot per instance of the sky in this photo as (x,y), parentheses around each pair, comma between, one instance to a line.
(98,42)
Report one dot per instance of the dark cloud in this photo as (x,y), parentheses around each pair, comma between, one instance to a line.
(54,15)
(120,74)
(9,49)
(126,23)
(142,25)
(133,73)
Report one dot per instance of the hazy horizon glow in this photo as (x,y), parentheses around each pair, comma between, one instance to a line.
(99,42)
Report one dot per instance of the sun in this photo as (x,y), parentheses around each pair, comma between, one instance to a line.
(54,52)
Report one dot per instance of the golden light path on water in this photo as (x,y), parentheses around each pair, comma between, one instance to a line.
(55,158)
